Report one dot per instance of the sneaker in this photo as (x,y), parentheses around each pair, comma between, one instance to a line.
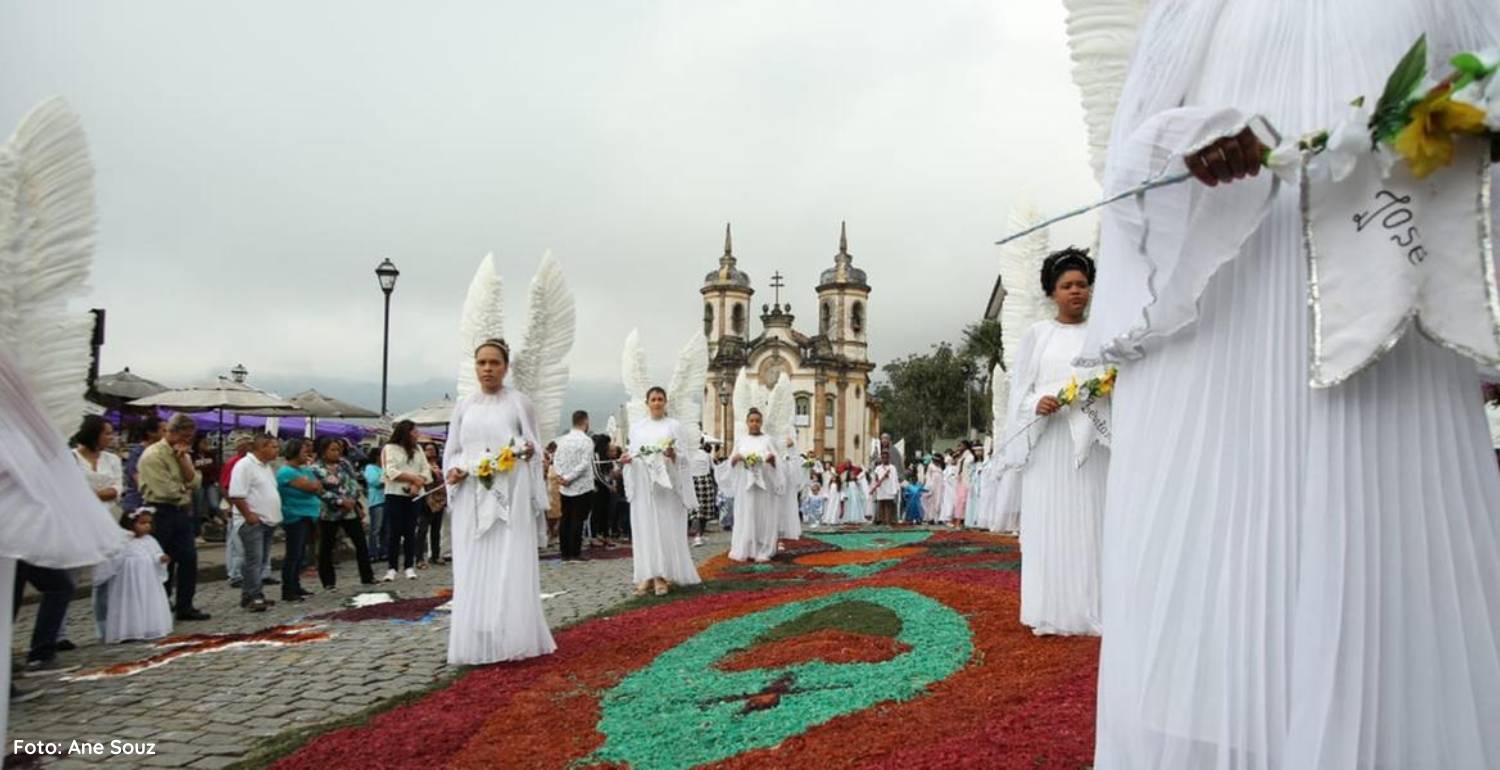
(45,668)
(411,574)
(697,541)
(236,583)
(390,575)
(18,695)
(259,605)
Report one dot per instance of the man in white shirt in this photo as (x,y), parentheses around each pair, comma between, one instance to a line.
(885,482)
(252,492)
(573,462)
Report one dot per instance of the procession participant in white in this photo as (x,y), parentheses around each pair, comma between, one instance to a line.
(659,483)
(935,484)
(1292,578)
(755,481)
(52,519)
(777,422)
(135,606)
(658,478)
(833,494)
(856,496)
(505,405)
(498,499)
(949,504)
(1062,457)
(884,486)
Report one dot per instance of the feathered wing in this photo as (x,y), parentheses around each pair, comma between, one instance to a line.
(999,402)
(744,399)
(483,317)
(1101,38)
(780,409)
(1021,275)
(47,225)
(685,393)
(540,369)
(635,377)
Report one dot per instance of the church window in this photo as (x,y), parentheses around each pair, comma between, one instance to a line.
(857,318)
(737,319)
(825,318)
(804,412)
(856,442)
(828,413)
(708,320)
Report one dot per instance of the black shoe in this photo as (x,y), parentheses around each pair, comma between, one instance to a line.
(193,615)
(236,583)
(286,598)
(64,645)
(270,582)
(259,605)
(305,592)
(45,668)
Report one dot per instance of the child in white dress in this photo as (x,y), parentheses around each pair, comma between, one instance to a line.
(130,602)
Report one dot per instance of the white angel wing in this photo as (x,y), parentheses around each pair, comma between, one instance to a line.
(635,377)
(685,393)
(999,402)
(780,408)
(1021,275)
(483,317)
(540,370)
(744,399)
(1102,36)
(47,224)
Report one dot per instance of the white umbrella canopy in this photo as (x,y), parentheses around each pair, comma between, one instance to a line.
(435,412)
(226,394)
(319,405)
(127,385)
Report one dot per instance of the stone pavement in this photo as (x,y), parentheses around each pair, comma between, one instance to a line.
(193,709)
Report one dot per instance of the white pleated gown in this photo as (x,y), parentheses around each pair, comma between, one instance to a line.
(658,513)
(497,604)
(1062,505)
(1297,579)
(758,501)
(137,606)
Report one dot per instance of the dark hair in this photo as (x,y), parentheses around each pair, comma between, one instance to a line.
(1059,262)
(127,519)
(579,417)
(292,448)
(323,443)
(90,431)
(404,435)
(497,343)
(755,412)
(260,436)
(656,389)
(551,447)
(149,424)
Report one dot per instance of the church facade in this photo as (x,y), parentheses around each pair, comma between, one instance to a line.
(836,417)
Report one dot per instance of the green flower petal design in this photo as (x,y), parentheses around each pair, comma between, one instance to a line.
(680,712)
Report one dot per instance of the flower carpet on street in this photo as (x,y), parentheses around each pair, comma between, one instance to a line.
(851,649)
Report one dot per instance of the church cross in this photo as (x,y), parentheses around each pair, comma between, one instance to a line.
(777,284)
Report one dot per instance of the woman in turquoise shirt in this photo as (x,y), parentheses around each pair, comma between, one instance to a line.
(375,501)
(300,505)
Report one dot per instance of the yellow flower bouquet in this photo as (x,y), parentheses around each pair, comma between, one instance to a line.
(752,460)
(1091,389)
(491,465)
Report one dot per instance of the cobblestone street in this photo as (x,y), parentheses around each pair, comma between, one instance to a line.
(209,710)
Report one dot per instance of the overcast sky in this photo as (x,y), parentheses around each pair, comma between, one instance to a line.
(256,160)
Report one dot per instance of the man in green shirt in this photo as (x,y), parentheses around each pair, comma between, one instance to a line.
(167,480)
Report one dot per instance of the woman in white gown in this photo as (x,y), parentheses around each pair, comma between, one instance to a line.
(659,485)
(135,606)
(754,478)
(935,484)
(1291,578)
(793,481)
(856,497)
(1057,450)
(949,505)
(833,492)
(497,603)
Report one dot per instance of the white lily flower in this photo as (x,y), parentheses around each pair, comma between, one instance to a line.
(1347,143)
(1285,161)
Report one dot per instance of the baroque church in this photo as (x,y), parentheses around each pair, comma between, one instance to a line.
(836,417)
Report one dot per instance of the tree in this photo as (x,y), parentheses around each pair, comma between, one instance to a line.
(983,343)
(923,397)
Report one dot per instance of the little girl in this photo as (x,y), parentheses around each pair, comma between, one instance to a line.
(129,601)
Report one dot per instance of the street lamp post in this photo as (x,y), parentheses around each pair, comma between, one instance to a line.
(725,418)
(386,273)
